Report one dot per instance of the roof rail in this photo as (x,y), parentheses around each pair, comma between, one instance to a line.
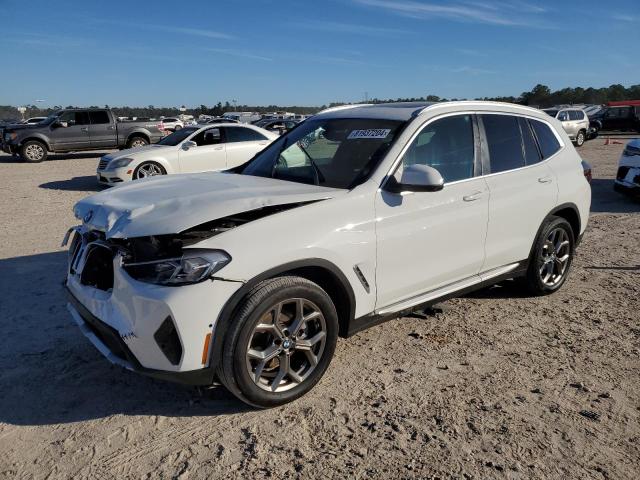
(344,107)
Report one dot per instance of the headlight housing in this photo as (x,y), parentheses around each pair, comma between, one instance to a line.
(630,151)
(8,136)
(119,162)
(193,267)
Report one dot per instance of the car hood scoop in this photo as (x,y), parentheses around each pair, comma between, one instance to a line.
(171,204)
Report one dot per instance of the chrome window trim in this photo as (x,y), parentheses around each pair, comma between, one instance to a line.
(398,159)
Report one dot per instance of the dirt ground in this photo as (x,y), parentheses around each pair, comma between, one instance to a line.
(497,385)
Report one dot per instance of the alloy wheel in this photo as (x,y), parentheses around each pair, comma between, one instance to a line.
(286,345)
(148,170)
(34,152)
(138,143)
(555,255)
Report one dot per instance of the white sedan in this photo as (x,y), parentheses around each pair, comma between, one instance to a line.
(190,149)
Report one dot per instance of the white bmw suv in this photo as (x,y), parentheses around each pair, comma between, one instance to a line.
(358,215)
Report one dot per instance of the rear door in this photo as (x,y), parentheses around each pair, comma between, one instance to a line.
(75,136)
(522,187)
(102,131)
(242,143)
(208,154)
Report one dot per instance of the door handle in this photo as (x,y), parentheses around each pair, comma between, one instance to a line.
(545,179)
(473,197)
(84,129)
(218,148)
(111,127)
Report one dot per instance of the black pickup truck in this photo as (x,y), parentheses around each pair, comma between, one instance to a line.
(73,130)
(617,118)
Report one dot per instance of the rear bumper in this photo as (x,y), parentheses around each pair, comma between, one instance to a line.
(109,342)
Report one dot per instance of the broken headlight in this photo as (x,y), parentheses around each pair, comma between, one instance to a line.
(193,267)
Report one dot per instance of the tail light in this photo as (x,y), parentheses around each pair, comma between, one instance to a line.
(587,175)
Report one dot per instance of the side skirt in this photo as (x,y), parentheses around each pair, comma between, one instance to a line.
(375,318)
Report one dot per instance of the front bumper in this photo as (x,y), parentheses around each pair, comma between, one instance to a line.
(628,180)
(128,323)
(115,176)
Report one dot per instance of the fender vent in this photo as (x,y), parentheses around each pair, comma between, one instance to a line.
(362,278)
(167,339)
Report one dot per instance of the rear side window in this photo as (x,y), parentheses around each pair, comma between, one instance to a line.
(98,117)
(240,134)
(531,152)
(504,141)
(547,141)
(446,145)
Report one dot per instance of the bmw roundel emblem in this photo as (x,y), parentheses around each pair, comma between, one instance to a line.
(88,216)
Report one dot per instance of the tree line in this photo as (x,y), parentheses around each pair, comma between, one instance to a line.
(539,96)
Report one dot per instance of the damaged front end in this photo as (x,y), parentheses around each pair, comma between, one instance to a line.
(167,259)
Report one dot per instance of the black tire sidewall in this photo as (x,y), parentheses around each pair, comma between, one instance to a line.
(534,282)
(33,142)
(238,336)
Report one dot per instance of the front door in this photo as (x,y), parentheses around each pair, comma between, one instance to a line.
(427,240)
(75,136)
(208,154)
(102,131)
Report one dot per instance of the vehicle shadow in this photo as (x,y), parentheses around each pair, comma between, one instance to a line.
(505,289)
(87,183)
(74,155)
(51,374)
(604,199)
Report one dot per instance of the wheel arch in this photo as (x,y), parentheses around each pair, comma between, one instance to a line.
(36,138)
(327,275)
(138,133)
(568,211)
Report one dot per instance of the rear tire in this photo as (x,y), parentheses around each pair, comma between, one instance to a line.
(137,142)
(33,151)
(551,257)
(280,343)
(580,138)
(176,128)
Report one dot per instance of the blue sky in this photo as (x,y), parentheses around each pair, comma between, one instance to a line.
(289,52)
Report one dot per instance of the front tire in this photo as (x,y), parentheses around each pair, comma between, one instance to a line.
(33,151)
(280,342)
(551,257)
(580,138)
(148,169)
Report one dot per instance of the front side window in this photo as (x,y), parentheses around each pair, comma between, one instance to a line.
(547,141)
(99,117)
(446,145)
(211,136)
(504,141)
(241,134)
(337,153)
(563,116)
(75,118)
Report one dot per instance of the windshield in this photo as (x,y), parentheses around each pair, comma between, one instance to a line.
(551,113)
(178,136)
(51,118)
(337,153)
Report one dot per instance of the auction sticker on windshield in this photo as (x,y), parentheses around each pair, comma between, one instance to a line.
(370,133)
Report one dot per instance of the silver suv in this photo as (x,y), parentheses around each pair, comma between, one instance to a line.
(574,121)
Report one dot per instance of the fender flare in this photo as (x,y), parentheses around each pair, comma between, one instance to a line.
(37,137)
(556,209)
(226,315)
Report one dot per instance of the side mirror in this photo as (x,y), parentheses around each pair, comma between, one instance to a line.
(188,144)
(416,178)
(62,124)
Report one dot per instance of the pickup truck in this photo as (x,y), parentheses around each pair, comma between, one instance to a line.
(73,130)
(617,117)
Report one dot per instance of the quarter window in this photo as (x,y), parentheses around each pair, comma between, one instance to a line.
(531,153)
(241,134)
(504,141)
(563,116)
(547,141)
(446,145)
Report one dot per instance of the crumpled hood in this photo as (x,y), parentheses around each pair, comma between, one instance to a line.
(174,203)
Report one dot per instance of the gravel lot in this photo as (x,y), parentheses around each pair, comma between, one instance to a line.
(496,385)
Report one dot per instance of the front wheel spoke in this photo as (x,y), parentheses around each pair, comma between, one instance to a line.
(263,355)
(282,372)
(299,319)
(561,245)
(269,328)
(308,343)
(313,359)
(563,259)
